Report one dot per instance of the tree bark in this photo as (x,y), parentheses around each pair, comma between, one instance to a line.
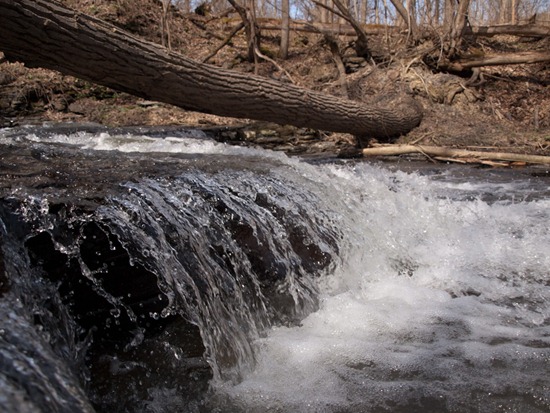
(497,60)
(526,30)
(362,43)
(285,29)
(459,25)
(44,33)
(406,16)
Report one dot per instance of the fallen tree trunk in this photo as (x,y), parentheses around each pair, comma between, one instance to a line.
(526,30)
(452,154)
(497,60)
(44,33)
(340,29)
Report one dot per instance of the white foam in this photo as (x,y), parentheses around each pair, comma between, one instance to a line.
(447,299)
(438,296)
(196,142)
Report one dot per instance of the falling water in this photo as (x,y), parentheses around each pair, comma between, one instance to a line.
(175,274)
(440,304)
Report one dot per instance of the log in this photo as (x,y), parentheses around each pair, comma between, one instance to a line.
(451,153)
(497,60)
(524,30)
(44,33)
(340,29)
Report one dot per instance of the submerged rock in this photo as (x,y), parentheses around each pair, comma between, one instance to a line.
(142,274)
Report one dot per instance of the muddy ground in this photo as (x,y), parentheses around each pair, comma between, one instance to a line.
(509,110)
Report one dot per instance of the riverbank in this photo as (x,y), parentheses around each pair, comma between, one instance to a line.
(508,109)
(38,97)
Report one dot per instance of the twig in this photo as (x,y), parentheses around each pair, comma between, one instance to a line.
(413,61)
(280,68)
(420,138)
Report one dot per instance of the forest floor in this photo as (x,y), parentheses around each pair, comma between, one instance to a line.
(508,111)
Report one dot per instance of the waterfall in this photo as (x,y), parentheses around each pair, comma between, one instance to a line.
(200,262)
(147,274)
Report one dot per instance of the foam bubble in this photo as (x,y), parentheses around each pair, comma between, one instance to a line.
(190,142)
(439,305)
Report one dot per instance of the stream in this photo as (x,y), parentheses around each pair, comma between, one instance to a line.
(149,270)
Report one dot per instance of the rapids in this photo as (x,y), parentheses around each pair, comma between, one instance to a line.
(162,272)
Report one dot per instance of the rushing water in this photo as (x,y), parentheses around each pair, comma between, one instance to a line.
(174,274)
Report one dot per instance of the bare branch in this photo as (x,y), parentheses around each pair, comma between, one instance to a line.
(362,44)
(235,30)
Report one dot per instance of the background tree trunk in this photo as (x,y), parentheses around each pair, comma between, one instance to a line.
(458,26)
(363,10)
(165,35)
(46,34)
(248,16)
(285,28)
(362,43)
(448,15)
(514,11)
(407,18)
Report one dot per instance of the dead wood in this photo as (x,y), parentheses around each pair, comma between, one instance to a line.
(248,17)
(337,57)
(527,30)
(332,43)
(465,62)
(46,34)
(333,28)
(455,155)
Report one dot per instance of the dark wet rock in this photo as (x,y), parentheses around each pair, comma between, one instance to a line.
(91,232)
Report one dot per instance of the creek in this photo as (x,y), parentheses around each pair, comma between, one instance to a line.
(158,271)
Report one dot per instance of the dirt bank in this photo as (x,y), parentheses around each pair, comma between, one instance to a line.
(508,110)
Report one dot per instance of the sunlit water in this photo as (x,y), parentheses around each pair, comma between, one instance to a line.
(438,299)
(441,304)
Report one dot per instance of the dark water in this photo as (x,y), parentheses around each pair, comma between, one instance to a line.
(171,274)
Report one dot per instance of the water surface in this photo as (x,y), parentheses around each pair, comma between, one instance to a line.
(336,286)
